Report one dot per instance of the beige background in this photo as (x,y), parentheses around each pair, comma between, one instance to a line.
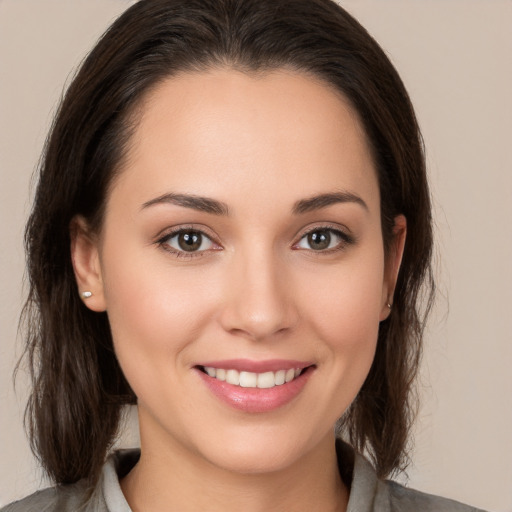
(455,57)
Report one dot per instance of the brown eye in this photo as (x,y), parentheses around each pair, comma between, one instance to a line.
(187,241)
(319,240)
(324,239)
(190,241)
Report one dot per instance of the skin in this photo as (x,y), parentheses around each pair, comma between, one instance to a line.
(259,144)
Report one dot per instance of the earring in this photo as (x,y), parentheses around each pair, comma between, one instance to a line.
(389,305)
(86,295)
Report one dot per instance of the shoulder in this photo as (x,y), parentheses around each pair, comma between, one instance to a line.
(66,498)
(403,499)
(370,494)
(105,496)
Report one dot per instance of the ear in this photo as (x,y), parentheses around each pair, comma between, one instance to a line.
(392,266)
(86,264)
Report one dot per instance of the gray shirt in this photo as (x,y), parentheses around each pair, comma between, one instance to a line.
(367,492)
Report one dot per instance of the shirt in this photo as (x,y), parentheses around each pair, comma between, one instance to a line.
(368,493)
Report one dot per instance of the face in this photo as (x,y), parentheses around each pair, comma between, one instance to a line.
(241,265)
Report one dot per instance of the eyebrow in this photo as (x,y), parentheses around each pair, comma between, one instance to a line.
(212,206)
(324,200)
(202,204)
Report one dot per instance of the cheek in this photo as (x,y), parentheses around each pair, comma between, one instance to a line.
(345,319)
(347,307)
(155,312)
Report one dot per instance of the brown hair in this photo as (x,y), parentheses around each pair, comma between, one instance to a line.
(78,387)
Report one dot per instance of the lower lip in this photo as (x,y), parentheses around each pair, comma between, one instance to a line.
(256,400)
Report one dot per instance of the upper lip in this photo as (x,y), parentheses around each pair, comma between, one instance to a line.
(248,365)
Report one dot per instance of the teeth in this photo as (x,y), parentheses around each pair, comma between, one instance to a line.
(253,380)
(210,371)
(247,379)
(280,377)
(266,380)
(233,377)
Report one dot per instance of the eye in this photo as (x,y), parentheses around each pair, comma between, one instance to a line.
(323,239)
(187,241)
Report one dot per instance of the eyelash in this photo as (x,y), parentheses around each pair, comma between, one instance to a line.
(164,241)
(345,239)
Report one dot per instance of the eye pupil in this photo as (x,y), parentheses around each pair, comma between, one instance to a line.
(190,241)
(319,240)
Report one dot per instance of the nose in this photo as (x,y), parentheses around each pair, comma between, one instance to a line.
(259,297)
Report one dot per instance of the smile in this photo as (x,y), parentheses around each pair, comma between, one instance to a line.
(247,379)
(255,386)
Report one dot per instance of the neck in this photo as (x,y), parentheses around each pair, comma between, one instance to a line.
(174,478)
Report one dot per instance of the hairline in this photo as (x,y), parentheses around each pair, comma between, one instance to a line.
(132,117)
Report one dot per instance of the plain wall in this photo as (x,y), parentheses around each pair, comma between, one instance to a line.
(455,58)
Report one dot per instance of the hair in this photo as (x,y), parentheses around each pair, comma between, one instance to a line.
(79,390)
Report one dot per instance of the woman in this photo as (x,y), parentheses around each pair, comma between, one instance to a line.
(231,229)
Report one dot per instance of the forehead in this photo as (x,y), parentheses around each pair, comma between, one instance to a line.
(209,133)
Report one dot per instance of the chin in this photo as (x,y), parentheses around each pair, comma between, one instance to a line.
(253,462)
(262,452)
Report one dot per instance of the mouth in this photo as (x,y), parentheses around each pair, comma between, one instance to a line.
(246,379)
(255,386)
